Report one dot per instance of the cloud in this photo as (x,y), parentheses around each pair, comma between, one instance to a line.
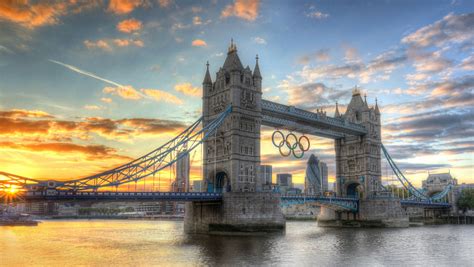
(106,100)
(24,123)
(350,54)
(197,20)
(314,95)
(451,29)
(13,126)
(153,126)
(125,92)
(196,9)
(23,113)
(128,42)
(317,15)
(122,7)
(129,25)
(102,44)
(165,3)
(321,55)
(244,9)
(468,63)
(32,15)
(430,129)
(93,107)
(199,42)
(159,95)
(377,69)
(188,89)
(260,40)
(59,147)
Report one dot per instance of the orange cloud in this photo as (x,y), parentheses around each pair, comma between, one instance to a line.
(91,150)
(244,9)
(188,89)
(22,113)
(93,107)
(129,25)
(127,42)
(31,15)
(102,44)
(199,42)
(106,100)
(124,6)
(126,92)
(159,95)
(46,128)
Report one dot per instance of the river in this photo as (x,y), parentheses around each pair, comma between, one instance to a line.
(143,243)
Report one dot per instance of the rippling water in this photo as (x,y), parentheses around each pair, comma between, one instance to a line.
(121,242)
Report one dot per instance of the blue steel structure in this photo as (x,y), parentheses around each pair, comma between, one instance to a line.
(419,194)
(145,166)
(274,114)
(299,120)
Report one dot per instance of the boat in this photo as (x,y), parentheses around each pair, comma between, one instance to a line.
(17,220)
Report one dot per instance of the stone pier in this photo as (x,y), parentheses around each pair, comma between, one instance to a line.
(238,213)
(372,213)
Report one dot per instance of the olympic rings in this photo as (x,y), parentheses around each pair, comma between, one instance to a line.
(291,142)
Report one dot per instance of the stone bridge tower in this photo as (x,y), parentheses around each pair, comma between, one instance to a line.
(232,155)
(358,159)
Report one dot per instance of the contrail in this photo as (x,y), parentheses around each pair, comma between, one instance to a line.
(86,73)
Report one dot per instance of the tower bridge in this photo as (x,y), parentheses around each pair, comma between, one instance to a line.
(233,113)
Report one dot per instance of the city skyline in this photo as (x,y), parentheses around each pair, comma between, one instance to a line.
(109,81)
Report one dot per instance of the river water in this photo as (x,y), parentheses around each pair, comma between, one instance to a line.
(143,243)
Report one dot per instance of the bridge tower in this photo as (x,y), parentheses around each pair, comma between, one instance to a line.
(231,156)
(358,158)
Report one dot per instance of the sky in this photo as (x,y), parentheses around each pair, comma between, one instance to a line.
(89,85)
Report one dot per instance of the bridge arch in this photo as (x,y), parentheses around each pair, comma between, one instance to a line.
(218,181)
(354,189)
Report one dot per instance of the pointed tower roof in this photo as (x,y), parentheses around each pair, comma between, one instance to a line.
(357,103)
(377,110)
(365,100)
(207,77)
(256,70)
(337,114)
(232,62)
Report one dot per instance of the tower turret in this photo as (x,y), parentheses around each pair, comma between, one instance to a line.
(337,114)
(257,77)
(207,77)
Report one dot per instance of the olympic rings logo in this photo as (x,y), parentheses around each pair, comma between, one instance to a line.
(290,144)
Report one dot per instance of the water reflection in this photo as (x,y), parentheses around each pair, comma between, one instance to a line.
(164,243)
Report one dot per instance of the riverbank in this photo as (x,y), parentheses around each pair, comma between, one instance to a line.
(112,217)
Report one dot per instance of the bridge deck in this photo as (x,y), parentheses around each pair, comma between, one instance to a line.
(295,119)
(123,196)
(338,203)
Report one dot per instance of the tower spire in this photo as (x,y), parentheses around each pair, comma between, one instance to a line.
(365,100)
(232,47)
(377,111)
(256,70)
(207,77)
(337,114)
